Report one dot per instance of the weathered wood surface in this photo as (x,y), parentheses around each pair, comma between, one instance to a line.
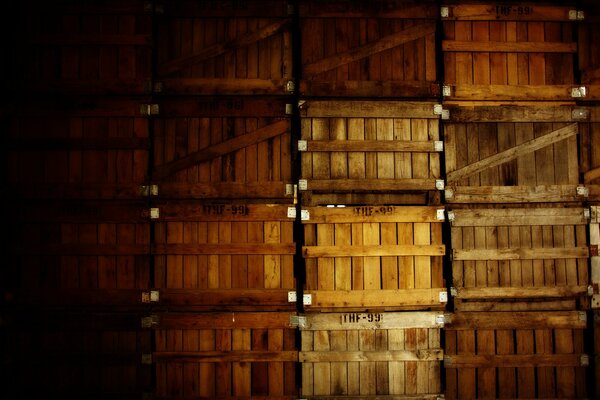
(508,52)
(521,152)
(521,355)
(363,356)
(227,48)
(354,147)
(225,355)
(368,49)
(519,253)
(239,148)
(225,247)
(373,257)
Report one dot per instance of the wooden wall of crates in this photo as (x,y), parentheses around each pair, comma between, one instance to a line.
(173,170)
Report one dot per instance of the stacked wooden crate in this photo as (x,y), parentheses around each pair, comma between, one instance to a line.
(370,181)
(517,207)
(223,240)
(76,149)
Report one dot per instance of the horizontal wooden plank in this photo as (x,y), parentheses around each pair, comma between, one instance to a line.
(373,250)
(106,7)
(374,199)
(79,191)
(513,360)
(520,253)
(228,320)
(513,153)
(355,88)
(357,321)
(226,8)
(517,113)
(228,146)
(188,106)
(36,320)
(385,185)
(515,306)
(518,216)
(127,249)
(241,212)
(520,292)
(383,43)
(76,298)
(225,190)
(329,215)
(92,39)
(511,194)
(387,299)
(367,109)
(527,11)
(102,86)
(361,356)
(405,146)
(176,65)
(517,320)
(219,86)
(511,92)
(508,47)
(81,106)
(246,299)
(81,211)
(224,356)
(65,144)
(369,9)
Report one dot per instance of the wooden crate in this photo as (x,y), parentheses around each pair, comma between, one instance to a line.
(590,158)
(223,148)
(233,256)
(228,355)
(513,154)
(374,258)
(516,355)
(370,152)
(519,259)
(369,49)
(86,48)
(509,52)
(362,355)
(74,355)
(225,47)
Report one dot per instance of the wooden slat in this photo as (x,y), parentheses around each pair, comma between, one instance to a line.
(218,150)
(41,143)
(373,250)
(509,361)
(350,9)
(232,248)
(105,86)
(375,298)
(224,190)
(370,185)
(229,356)
(508,47)
(520,292)
(520,253)
(381,355)
(356,88)
(512,194)
(215,50)
(367,109)
(517,320)
(254,107)
(225,321)
(371,145)
(514,113)
(513,153)
(91,39)
(509,12)
(217,86)
(356,321)
(515,306)
(385,43)
(250,298)
(519,216)
(470,92)
(193,211)
(326,215)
